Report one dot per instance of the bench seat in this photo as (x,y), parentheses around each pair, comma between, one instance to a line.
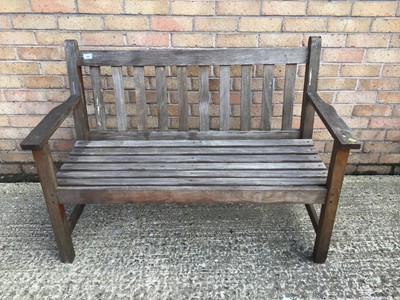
(264,171)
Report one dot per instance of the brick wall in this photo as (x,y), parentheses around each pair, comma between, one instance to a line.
(360,72)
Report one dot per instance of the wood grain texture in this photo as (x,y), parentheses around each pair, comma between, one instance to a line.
(334,123)
(119,98)
(224,98)
(99,109)
(39,136)
(310,85)
(182,98)
(46,171)
(245,98)
(161,99)
(204,95)
(76,87)
(288,96)
(140,91)
(75,215)
(337,168)
(199,57)
(268,88)
(313,216)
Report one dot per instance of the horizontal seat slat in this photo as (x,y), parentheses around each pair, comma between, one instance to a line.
(195,143)
(191,181)
(193,173)
(192,166)
(192,151)
(199,57)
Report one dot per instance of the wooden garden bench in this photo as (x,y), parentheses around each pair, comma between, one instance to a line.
(112,164)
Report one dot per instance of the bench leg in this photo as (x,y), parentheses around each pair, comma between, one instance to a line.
(337,169)
(61,228)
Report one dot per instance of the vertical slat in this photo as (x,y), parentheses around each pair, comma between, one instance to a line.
(224,91)
(76,87)
(99,110)
(310,85)
(47,174)
(119,97)
(204,98)
(245,98)
(161,98)
(268,87)
(182,98)
(140,98)
(288,96)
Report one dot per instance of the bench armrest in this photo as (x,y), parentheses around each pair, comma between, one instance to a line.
(39,136)
(333,122)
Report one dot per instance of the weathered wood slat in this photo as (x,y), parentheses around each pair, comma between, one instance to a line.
(182,98)
(194,166)
(194,135)
(288,96)
(40,135)
(184,57)
(190,181)
(75,215)
(194,194)
(204,96)
(119,98)
(99,110)
(193,151)
(310,85)
(197,143)
(76,88)
(161,99)
(140,91)
(268,88)
(195,158)
(224,95)
(194,173)
(245,98)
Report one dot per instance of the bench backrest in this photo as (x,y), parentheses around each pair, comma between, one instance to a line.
(126,64)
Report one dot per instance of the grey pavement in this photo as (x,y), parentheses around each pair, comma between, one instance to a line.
(242,251)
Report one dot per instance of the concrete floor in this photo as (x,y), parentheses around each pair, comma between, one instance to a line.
(204,251)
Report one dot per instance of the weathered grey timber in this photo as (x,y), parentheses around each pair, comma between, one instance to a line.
(126,165)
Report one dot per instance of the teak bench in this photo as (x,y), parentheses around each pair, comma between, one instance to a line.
(111,164)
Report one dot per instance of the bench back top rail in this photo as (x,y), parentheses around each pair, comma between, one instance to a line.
(161,60)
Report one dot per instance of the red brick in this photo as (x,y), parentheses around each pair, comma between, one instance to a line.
(55,37)
(171,23)
(125,22)
(151,7)
(19,68)
(54,68)
(5,22)
(193,8)
(53,6)
(148,39)
(379,84)
(391,70)
(370,135)
(372,110)
(281,40)
(329,84)
(34,22)
(24,95)
(237,8)
(103,38)
(16,6)
(17,37)
(385,123)
(361,70)
(215,24)
(390,159)
(389,97)
(396,111)
(236,40)
(393,135)
(284,8)
(374,8)
(381,147)
(385,25)
(24,121)
(342,55)
(100,6)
